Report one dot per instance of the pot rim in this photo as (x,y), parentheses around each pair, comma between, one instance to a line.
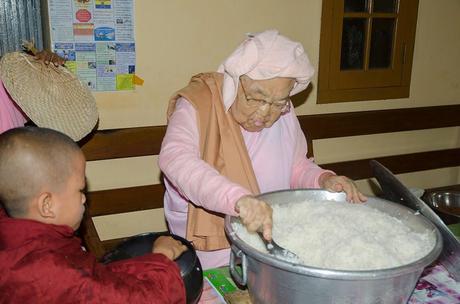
(183,240)
(338,274)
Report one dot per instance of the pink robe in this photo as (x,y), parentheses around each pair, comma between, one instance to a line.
(278,156)
(11,115)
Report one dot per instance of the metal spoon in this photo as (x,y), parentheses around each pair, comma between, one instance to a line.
(274,249)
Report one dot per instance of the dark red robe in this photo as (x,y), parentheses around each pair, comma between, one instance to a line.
(42,263)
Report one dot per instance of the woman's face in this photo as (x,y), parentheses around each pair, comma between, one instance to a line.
(260,103)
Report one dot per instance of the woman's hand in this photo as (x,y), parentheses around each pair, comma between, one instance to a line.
(49,57)
(169,247)
(337,183)
(256,215)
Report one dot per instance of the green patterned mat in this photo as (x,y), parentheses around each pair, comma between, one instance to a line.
(455,228)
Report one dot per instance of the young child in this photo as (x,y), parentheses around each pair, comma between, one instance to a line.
(42,183)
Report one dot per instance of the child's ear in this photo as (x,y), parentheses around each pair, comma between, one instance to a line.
(45,205)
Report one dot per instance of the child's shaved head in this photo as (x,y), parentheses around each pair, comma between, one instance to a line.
(32,160)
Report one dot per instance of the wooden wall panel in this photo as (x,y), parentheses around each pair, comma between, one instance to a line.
(121,200)
(143,141)
(359,169)
(119,143)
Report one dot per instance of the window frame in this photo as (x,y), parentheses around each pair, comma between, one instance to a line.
(351,85)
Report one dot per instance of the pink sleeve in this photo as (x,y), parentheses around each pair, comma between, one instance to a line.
(305,173)
(10,114)
(195,179)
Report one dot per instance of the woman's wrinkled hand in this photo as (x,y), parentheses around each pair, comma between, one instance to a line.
(336,183)
(49,57)
(256,215)
(169,247)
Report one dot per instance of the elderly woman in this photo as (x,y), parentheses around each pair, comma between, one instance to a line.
(234,134)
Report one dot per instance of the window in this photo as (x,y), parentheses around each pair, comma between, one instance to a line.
(366,49)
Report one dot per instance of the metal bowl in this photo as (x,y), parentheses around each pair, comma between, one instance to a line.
(446,203)
(188,262)
(272,280)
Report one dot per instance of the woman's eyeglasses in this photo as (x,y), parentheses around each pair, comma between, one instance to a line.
(281,106)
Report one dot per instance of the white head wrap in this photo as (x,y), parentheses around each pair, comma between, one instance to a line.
(265,55)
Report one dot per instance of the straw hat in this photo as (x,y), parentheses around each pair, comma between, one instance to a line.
(50,96)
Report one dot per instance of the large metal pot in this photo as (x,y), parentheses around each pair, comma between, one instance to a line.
(270,280)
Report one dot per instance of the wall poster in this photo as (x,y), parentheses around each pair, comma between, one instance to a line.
(96,37)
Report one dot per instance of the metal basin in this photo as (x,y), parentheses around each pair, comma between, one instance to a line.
(446,204)
(270,280)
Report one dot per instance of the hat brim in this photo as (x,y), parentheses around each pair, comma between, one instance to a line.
(50,96)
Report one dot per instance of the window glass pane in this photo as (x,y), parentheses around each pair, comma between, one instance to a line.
(381,42)
(353,40)
(385,6)
(351,6)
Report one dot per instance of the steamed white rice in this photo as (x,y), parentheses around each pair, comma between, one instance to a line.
(343,236)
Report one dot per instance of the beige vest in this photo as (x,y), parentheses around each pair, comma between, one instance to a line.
(222,146)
